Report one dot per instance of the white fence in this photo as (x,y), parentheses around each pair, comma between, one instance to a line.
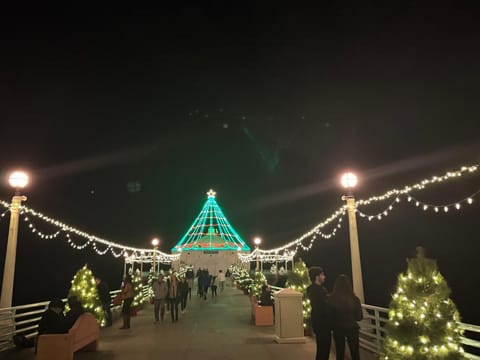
(373,332)
(24,319)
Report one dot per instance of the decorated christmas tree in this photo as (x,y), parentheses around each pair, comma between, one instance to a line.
(151,277)
(299,280)
(258,281)
(243,279)
(423,320)
(138,298)
(85,289)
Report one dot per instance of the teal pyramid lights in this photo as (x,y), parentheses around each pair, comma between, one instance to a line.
(211,231)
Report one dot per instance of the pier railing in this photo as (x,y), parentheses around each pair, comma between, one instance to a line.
(24,319)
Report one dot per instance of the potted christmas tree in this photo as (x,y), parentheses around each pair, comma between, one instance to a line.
(256,287)
(423,321)
(85,289)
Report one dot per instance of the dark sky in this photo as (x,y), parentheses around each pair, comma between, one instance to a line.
(127,116)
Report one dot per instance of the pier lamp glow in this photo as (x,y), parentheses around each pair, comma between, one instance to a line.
(349,180)
(155,242)
(257,241)
(18,180)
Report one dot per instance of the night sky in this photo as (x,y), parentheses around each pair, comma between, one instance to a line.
(126,117)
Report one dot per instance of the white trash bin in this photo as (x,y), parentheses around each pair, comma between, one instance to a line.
(288,317)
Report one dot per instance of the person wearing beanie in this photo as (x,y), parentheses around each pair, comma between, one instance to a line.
(320,319)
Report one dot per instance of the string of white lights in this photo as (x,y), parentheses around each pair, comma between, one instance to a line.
(91,239)
(449,175)
(297,243)
(424,205)
(320,233)
(314,231)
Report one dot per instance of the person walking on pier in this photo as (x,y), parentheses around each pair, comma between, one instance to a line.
(104,296)
(213,285)
(190,275)
(173,297)
(320,318)
(346,310)
(160,292)
(183,294)
(127,295)
(221,280)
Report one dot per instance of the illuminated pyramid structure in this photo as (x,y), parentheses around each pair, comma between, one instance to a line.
(211,232)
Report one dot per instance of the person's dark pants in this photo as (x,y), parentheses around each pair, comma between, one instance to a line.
(108,313)
(159,307)
(339,336)
(214,291)
(183,301)
(127,303)
(173,309)
(324,340)
(205,292)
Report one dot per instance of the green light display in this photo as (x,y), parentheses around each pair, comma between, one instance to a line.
(211,231)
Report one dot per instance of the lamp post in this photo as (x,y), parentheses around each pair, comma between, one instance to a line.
(18,180)
(142,255)
(125,257)
(349,181)
(155,243)
(257,241)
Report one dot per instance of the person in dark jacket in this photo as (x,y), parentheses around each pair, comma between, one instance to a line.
(76,309)
(346,310)
(183,293)
(266,296)
(53,321)
(319,316)
(104,296)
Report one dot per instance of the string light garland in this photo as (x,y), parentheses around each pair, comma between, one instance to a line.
(398,193)
(438,208)
(449,175)
(91,239)
(405,192)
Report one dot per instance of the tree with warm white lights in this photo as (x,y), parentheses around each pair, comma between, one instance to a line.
(423,321)
(299,280)
(243,279)
(258,281)
(85,289)
(138,298)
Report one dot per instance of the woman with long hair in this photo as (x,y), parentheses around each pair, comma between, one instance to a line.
(345,310)
(127,297)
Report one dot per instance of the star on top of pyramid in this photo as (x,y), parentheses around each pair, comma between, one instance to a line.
(211,194)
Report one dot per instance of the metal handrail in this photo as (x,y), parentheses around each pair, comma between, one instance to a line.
(24,319)
(373,331)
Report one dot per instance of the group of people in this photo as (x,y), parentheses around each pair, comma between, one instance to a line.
(337,312)
(205,280)
(170,292)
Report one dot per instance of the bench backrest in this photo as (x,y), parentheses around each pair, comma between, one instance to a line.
(84,330)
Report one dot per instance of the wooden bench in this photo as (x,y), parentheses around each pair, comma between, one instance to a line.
(83,335)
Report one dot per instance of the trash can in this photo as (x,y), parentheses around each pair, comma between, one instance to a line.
(288,317)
